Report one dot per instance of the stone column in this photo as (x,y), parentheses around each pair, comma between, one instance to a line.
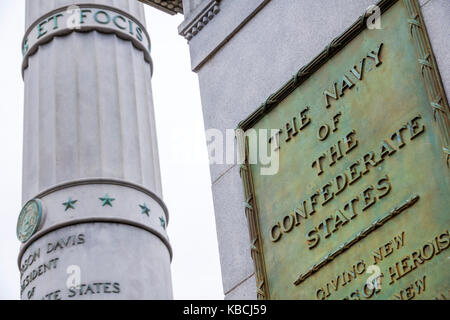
(94,223)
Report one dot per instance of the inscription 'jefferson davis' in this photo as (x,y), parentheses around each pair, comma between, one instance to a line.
(47,261)
(359,203)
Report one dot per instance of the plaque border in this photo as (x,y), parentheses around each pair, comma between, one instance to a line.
(435,93)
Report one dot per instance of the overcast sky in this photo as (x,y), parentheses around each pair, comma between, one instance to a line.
(186,180)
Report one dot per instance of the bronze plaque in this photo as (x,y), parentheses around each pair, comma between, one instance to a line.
(359,206)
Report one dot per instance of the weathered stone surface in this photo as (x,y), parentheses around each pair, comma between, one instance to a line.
(257,60)
(232,230)
(436,15)
(244,291)
(90,135)
(137,268)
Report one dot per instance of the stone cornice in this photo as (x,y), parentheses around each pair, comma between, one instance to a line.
(168,6)
(199,18)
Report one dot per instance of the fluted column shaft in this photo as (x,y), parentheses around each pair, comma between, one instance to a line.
(89,135)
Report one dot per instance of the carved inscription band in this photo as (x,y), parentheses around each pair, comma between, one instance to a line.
(85,18)
(117,217)
(105,181)
(42,233)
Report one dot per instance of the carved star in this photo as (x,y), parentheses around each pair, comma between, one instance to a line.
(145,210)
(163,222)
(107,200)
(69,204)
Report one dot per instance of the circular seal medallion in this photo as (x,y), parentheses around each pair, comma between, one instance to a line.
(29,220)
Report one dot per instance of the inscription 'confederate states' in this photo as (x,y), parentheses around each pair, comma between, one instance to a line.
(335,187)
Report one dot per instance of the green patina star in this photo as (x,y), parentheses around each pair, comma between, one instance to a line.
(145,210)
(163,222)
(107,200)
(70,204)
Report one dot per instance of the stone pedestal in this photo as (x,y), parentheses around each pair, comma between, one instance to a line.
(244,52)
